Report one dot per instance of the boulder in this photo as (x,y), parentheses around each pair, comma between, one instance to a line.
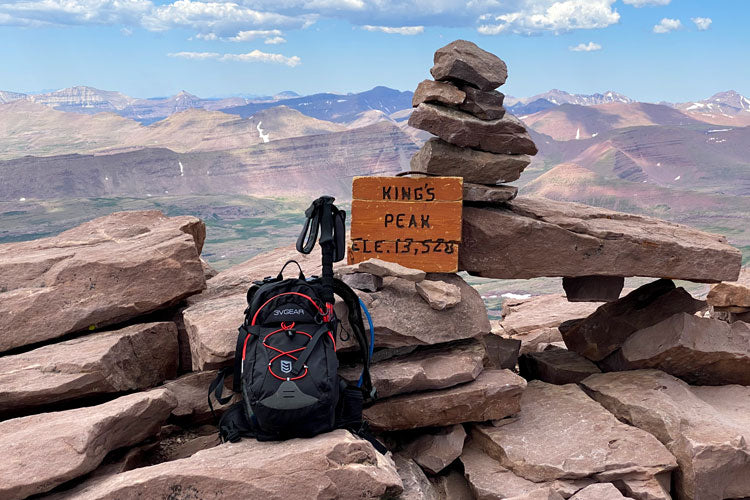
(416,485)
(501,352)
(593,288)
(649,489)
(402,318)
(330,465)
(463,62)
(491,481)
(192,404)
(433,368)
(506,135)
(441,92)
(363,281)
(730,294)
(483,104)
(599,491)
(609,327)
(102,272)
(556,366)
(700,351)
(494,394)
(561,433)
(45,450)
(383,268)
(533,237)
(136,357)
(489,194)
(436,451)
(208,270)
(439,294)
(706,428)
(479,167)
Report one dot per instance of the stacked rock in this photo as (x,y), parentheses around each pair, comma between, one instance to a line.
(476,138)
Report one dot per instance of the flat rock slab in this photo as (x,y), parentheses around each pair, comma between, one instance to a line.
(536,320)
(433,368)
(416,484)
(494,394)
(363,281)
(479,167)
(462,61)
(436,451)
(192,404)
(440,92)
(600,491)
(103,272)
(593,288)
(383,269)
(556,366)
(212,330)
(489,194)
(731,294)
(706,428)
(700,351)
(506,135)
(602,333)
(491,481)
(42,451)
(136,357)
(331,465)
(561,433)
(487,105)
(439,294)
(402,318)
(533,237)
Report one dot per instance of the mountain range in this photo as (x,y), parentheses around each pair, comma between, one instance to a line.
(686,162)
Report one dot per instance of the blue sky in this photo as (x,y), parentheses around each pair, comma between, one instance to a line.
(651,50)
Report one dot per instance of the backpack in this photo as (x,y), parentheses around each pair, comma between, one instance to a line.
(286,366)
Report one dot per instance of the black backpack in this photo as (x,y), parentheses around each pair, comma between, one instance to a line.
(285,365)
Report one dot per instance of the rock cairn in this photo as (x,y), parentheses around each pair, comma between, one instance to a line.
(476,138)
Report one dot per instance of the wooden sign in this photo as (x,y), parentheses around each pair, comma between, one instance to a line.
(413,221)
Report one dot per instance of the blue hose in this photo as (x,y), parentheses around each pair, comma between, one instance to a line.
(372,337)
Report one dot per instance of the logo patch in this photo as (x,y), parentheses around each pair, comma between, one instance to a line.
(286,366)
(288,312)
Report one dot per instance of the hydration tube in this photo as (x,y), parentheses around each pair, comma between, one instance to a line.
(372,336)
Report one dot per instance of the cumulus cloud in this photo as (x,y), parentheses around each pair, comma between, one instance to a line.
(402,30)
(254,56)
(646,3)
(586,47)
(227,19)
(666,25)
(702,23)
(557,16)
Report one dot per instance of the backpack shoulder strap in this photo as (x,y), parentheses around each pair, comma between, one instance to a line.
(358,329)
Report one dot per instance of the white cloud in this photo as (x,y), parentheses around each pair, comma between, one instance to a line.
(666,25)
(274,40)
(402,30)
(586,47)
(126,31)
(258,56)
(195,55)
(249,35)
(557,16)
(254,56)
(37,13)
(646,3)
(703,23)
